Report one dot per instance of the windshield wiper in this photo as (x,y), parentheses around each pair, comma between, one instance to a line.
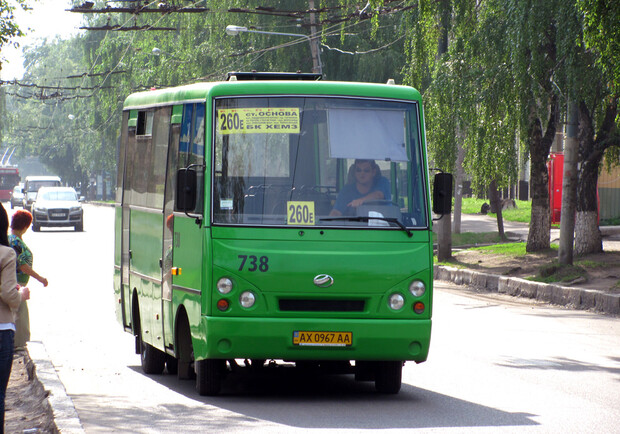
(366,218)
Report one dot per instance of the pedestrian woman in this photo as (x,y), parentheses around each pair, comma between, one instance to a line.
(19,225)
(11,295)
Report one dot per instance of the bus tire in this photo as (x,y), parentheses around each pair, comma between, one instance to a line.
(153,360)
(209,374)
(172,364)
(388,377)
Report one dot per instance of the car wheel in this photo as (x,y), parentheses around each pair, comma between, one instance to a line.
(79,227)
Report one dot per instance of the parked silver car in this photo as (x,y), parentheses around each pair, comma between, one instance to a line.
(57,207)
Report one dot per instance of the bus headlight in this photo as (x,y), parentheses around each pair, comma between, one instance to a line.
(396,301)
(417,288)
(247,299)
(224,285)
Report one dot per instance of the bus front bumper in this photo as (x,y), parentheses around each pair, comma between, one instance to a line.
(273,338)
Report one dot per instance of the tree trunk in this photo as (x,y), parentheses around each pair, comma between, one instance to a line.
(496,204)
(569,188)
(588,237)
(458,193)
(444,228)
(444,239)
(540,226)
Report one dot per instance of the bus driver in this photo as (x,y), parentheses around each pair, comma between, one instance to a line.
(369,185)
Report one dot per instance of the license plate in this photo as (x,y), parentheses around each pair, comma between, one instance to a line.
(322,339)
(58,214)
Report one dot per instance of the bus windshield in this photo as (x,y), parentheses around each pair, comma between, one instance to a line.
(318,161)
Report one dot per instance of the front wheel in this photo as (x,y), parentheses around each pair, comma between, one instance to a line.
(388,377)
(209,373)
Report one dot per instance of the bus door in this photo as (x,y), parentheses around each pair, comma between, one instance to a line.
(168,227)
(182,259)
(128,142)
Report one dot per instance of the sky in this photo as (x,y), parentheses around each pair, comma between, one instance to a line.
(47,19)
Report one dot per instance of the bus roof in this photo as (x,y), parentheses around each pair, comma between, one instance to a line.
(198,92)
(42,178)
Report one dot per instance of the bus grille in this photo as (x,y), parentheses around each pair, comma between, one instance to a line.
(297,305)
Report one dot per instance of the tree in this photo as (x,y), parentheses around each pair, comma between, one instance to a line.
(468,88)
(8,31)
(601,46)
(8,27)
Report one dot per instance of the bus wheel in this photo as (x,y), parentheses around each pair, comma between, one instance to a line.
(209,374)
(388,377)
(153,360)
(172,364)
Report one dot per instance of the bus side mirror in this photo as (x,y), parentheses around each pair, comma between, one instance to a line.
(442,193)
(185,199)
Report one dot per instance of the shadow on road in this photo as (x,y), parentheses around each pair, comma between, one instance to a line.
(299,400)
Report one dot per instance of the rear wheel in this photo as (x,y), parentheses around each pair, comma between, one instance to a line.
(153,360)
(209,373)
(172,364)
(388,377)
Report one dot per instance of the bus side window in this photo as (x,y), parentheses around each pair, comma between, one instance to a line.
(191,152)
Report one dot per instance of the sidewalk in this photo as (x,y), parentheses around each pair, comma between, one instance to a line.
(575,298)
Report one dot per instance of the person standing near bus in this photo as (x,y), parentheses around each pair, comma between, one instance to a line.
(19,225)
(369,185)
(11,296)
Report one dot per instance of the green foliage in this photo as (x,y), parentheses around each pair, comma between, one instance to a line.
(556,272)
(610,222)
(483,69)
(508,249)
(521,213)
(475,238)
(602,34)
(8,28)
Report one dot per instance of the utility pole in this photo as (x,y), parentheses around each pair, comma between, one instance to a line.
(314,41)
(569,186)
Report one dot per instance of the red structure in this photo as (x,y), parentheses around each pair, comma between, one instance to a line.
(9,178)
(555,166)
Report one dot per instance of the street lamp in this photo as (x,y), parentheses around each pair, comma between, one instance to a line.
(316,60)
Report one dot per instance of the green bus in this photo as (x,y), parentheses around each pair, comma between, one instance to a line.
(275,217)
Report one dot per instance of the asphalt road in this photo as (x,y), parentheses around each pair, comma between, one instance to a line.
(496,365)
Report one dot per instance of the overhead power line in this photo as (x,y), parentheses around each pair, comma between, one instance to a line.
(162,8)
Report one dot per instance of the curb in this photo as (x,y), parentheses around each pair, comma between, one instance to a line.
(574,298)
(65,416)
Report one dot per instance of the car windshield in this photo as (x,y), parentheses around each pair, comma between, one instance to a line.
(59,195)
(318,161)
(34,186)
